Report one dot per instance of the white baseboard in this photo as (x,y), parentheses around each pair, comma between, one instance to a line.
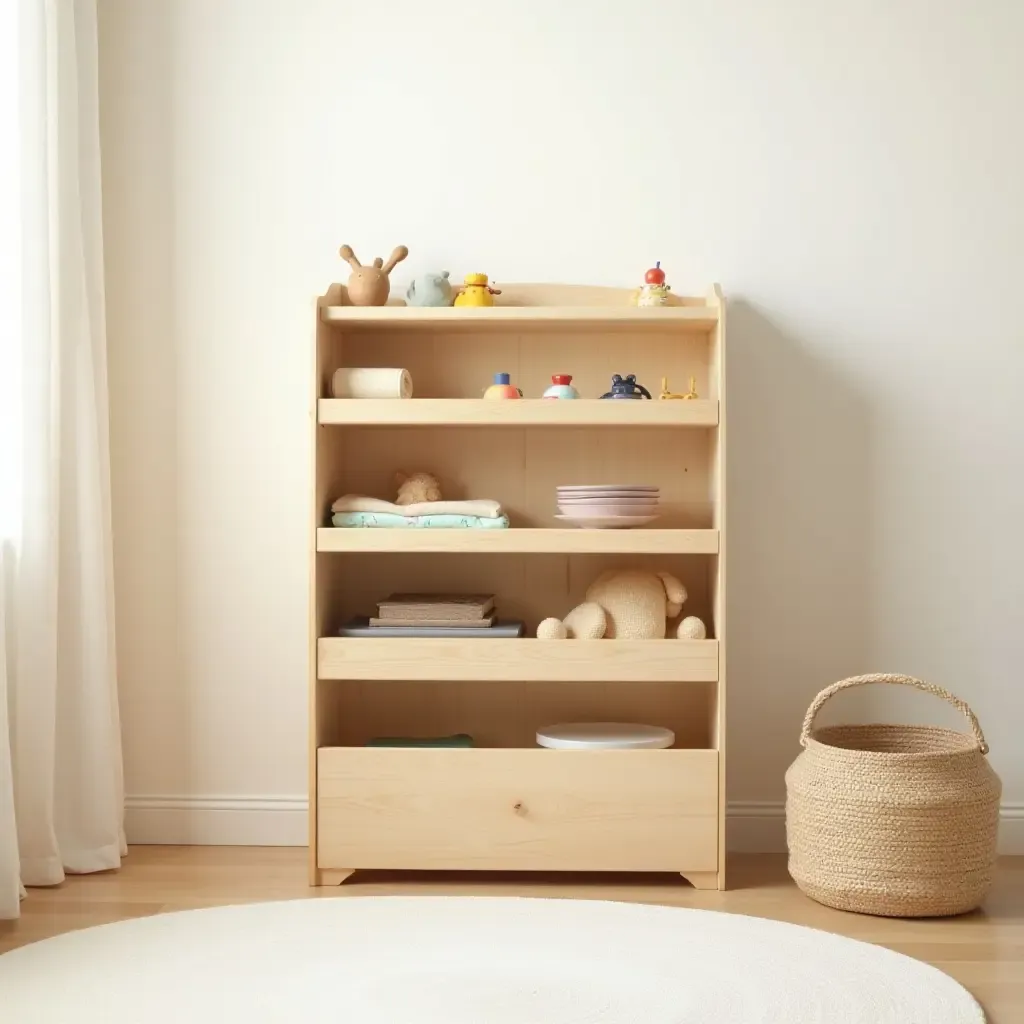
(217,820)
(760,827)
(751,827)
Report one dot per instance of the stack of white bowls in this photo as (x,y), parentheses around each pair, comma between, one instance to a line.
(608,506)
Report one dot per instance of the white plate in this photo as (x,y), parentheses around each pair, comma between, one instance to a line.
(604,736)
(607,522)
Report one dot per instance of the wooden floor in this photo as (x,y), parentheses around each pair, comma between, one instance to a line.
(984,951)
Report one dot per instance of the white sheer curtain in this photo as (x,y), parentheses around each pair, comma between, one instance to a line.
(61,791)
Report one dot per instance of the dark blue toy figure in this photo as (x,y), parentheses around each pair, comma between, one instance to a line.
(627,388)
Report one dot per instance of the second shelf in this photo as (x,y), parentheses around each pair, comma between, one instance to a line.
(527,412)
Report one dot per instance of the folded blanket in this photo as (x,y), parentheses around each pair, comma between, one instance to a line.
(482,508)
(388,520)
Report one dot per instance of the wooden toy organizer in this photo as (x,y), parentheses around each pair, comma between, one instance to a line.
(506,804)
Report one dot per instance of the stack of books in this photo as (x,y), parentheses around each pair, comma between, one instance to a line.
(466,616)
(467,611)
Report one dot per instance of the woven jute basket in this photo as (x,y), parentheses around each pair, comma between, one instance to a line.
(893,820)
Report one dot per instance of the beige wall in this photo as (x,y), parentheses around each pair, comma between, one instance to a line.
(850,173)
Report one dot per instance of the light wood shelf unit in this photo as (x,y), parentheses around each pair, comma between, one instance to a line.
(506,804)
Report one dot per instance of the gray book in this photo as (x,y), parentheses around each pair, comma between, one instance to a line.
(502,629)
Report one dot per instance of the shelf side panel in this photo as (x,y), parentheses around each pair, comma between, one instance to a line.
(325,354)
(718,476)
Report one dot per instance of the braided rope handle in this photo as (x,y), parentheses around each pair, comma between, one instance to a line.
(897,680)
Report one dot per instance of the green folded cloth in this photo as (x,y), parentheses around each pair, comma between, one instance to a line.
(460,739)
(388,520)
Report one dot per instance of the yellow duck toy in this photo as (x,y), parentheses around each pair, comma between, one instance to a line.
(476,292)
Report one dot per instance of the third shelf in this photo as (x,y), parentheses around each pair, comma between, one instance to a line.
(595,661)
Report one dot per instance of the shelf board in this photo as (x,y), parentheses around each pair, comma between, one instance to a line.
(591,661)
(527,412)
(695,319)
(519,541)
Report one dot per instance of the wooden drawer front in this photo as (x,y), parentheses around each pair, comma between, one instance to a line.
(615,810)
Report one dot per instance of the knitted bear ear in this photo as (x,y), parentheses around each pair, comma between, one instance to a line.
(675,594)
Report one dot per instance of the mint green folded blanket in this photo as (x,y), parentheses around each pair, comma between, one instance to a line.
(388,520)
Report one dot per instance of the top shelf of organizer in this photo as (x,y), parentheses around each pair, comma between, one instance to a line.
(522,306)
(696,319)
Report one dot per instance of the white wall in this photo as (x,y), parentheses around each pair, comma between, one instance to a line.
(853,174)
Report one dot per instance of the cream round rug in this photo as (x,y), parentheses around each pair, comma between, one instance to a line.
(422,960)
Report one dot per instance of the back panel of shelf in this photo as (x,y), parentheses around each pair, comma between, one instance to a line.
(508,714)
(522,467)
(530,587)
(445,364)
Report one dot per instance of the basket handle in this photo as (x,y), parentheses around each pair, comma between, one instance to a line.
(897,680)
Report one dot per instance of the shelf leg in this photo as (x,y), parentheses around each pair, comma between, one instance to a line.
(332,876)
(701,879)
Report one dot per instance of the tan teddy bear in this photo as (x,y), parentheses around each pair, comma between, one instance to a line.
(416,487)
(625,604)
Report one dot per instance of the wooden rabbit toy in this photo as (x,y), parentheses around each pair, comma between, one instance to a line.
(370,286)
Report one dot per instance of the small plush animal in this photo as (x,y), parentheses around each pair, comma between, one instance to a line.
(416,487)
(621,604)
(430,290)
(371,286)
